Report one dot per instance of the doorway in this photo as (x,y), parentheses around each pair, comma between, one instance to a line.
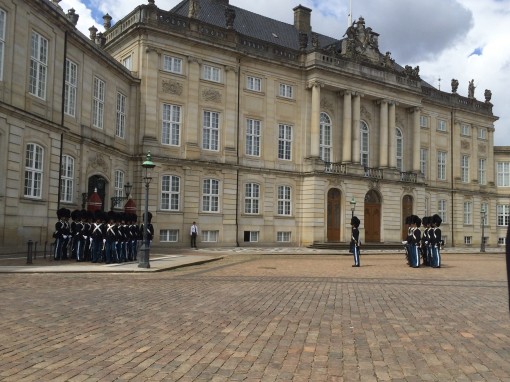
(407,210)
(97,182)
(372,217)
(333,217)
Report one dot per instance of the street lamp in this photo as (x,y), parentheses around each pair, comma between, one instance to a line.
(117,199)
(483,214)
(144,258)
(353,205)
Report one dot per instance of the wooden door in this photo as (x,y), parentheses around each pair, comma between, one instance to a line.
(372,223)
(333,218)
(407,210)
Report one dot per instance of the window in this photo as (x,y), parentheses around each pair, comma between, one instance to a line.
(441,165)
(468,240)
(169,236)
(211,73)
(503,213)
(286,91)
(283,237)
(172,64)
(119,187)
(254,83)
(284,200)
(441,125)
(210,131)
(33,171)
(424,157)
(67,180)
(170,192)
(71,85)
(128,62)
(485,207)
(364,144)
(441,209)
(468,213)
(400,149)
(325,138)
(465,130)
(251,236)
(120,124)
(38,66)
(482,171)
(252,137)
(98,103)
(171,128)
(464,169)
(501,240)
(210,195)
(3,18)
(424,121)
(210,236)
(503,174)
(284,142)
(251,198)
(482,133)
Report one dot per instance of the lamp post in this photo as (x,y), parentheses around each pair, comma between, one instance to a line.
(483,213)
(117,199)
(353,205)
(144,258)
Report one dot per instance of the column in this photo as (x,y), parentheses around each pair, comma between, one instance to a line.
(230,128)
(315,118)
(356,118)
(347,129)
(392,126)
(151,104)
(416,139)
(193,116)
(383,133)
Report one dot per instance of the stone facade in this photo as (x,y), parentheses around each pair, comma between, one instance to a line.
(265,142)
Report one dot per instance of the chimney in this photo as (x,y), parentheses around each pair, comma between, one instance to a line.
(302,19)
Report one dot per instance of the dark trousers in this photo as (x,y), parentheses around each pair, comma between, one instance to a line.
(193,240)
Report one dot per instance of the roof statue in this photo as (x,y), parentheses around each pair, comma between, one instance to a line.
(471,89)
(361,42)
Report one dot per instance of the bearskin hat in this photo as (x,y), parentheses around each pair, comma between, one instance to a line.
(417,221)
(149,216)
(409,219)
(355,221)
(436,220)
(76,215)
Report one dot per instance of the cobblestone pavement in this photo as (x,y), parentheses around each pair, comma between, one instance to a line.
(254,317)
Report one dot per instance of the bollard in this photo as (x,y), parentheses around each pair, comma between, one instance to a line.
(35,250)
(45,244)
(52,249)
(29,252)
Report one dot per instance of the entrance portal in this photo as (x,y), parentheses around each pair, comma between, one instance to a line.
(407,210)
(333,222)
(372,217)
(97,182)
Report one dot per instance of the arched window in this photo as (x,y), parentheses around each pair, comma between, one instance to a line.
(400,149)
(364,144)
(325,138)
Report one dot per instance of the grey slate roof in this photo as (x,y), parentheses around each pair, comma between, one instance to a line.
(250,24)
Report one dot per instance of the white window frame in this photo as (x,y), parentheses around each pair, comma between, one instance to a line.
(210,195)
(468,213)
(118,187)
(468,240)
(71,88)
(441,165)
(211,73)
(442,209)
(170,193)
(424,121)
(127,62)
(286,91)
(503,174)
(120,123)
(253,236)
(171,124)
(209,236)
(482,133)
(38,66)
(441,125)
(253,130)
(67,179)
(251,198)
(169,236)
(399,149)
(503,214)
(172,64)
(482,171)
(465,130)
(34,162)
(284,195)
(283,236)
(464,168)
(3,22)
(211,130)
(364,142)
(284,141)
(254,83)
(98,98)
(424,158)
(325,146)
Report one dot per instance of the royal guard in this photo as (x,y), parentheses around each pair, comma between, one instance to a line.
(414,255)
(111,238)
(436,241)
(98,237)
(150,229)
(135,234)
(59,234)
(408,239)
(88,220)
(77,228)
(425,241)
(355,242)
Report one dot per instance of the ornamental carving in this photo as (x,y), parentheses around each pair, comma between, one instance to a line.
(465,145)
(98,162)
(482,148)
(172,87)
(365,114)
(211,95)
(327,105)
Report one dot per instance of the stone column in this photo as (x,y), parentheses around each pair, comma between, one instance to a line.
(392,134)
(230,128)
(193,117)
(347,129)
(383,133)
(315,117)
(356,118)
(151,108)
(416,139)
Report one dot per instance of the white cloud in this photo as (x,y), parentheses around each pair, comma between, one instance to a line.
(437,35)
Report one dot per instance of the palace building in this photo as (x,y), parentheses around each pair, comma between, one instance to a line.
(263,132)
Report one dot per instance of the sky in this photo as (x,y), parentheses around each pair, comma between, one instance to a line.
(462,39)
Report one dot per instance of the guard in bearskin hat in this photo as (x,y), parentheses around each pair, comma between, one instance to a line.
(436,241)
(61,234)
(355,243)
(98,236)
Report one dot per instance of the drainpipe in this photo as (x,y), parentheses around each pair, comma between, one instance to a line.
(59,196)
(238,143)
(452,177)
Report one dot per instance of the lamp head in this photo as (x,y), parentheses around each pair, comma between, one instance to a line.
(148,161)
